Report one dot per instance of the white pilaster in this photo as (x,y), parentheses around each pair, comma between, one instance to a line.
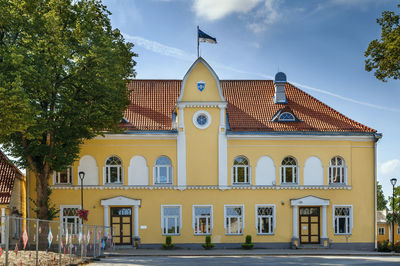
(324,225)
(3,226)
(106,215)
(181,150)
(295,219)
(222,149)
(136,221)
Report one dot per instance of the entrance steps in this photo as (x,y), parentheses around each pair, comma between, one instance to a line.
(312,246)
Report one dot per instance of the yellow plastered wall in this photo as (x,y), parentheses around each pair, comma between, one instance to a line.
(359,162)
(202,149)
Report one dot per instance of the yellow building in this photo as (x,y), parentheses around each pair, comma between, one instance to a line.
(385,229)
(228,158)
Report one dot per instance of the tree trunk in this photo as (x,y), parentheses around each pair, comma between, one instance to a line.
(42,195)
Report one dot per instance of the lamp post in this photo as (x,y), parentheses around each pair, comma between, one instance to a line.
(81,177)
(393,182)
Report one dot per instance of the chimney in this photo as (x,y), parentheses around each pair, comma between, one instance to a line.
(279,84)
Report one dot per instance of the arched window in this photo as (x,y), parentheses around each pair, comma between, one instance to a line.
(337,171)
(113,170)
(289,171)
(241,171)
(286,116)
(163,171)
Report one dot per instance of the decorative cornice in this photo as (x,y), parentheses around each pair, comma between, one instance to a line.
(140,135)
(181,188)
(202,104)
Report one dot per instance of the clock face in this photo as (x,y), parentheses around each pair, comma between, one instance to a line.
(202,119)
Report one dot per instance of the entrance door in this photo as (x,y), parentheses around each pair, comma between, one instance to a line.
(121,222)
(309,225)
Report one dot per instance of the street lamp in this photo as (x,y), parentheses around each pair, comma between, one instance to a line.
(393,182)
(81,177)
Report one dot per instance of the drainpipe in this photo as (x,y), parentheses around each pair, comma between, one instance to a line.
(27,193)
(377,138)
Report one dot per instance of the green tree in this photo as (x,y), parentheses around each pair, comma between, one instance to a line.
(63,72)
(383,55)
(380,198)
(396,217)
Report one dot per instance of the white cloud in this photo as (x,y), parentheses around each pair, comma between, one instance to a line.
(390,167)
(264,17)
(159,48)
(216,9)
(256,17)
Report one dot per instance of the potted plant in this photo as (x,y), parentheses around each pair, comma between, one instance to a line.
(83,214)
(168,243)
(208,244)
(248,244)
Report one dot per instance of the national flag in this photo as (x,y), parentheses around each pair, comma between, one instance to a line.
(204,37)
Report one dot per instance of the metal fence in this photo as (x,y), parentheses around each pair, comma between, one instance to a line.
(27,241)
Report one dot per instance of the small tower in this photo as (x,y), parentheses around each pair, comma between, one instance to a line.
(279,84)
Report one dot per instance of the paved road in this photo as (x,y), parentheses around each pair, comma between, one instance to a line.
(248,260)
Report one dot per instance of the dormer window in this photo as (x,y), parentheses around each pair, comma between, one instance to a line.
(286,116)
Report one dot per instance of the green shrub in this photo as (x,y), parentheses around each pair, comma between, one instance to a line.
(396,247)
(168,243)
(248,244)
(208,244)
(384,246)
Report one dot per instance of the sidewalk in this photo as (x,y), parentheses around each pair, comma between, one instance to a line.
(241,252)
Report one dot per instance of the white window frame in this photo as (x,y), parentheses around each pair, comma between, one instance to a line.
(120,172)
(241,219)
(295,169)
(196,218)
(56,177)
(247,168)
(350,220)
(199,113)
(164,225)
(341,169)
(258,218)
(77,222)
(383,231)
(156,172)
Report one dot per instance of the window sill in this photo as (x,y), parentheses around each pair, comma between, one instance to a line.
(337,184)
(342,234)
(114,184)
(265,234)
(239,234)
(207,234)
(241,184)
(289,184)
(171,234)
(62,184)
(163,184)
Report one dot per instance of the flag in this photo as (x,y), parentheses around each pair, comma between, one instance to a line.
(204,37)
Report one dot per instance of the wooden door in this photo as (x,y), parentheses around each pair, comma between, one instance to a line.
(309,225)
(121,222)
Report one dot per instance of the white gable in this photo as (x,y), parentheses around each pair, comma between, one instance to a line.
(309,201)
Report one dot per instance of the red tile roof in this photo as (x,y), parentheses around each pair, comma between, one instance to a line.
(250,108)
(8,173)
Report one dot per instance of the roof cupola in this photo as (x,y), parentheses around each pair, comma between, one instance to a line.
(279,84)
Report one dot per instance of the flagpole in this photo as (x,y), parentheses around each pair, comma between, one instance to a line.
(197,41)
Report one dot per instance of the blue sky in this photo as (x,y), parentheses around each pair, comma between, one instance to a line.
(318,44)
